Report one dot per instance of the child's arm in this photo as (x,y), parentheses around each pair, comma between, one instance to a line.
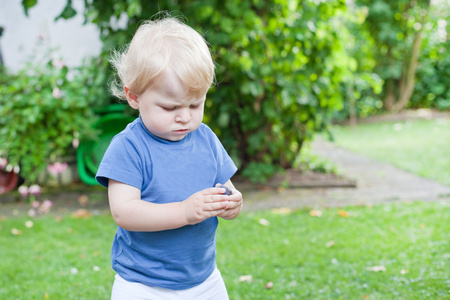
(236,203)
(134,214)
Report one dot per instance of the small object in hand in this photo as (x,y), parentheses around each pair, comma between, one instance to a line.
(227,190)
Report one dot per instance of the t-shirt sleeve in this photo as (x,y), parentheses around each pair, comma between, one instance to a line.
(122,163)
(226,168)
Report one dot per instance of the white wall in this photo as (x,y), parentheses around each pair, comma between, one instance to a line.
(72,40)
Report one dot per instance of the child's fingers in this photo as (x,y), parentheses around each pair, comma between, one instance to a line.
(234,204)
(213,191)
(235,196)
(225,189)
(218,206)
(217,200)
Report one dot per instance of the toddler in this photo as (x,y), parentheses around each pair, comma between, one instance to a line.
(164,170)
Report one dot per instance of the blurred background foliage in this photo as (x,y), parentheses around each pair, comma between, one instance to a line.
(287,68)
(45,109)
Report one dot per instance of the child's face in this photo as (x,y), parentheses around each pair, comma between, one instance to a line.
(169,111)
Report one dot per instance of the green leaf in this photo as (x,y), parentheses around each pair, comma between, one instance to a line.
(68,12)
(27,4)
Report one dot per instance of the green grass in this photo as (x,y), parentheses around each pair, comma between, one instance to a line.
(421,147)
(68,258)
(305,257)
(63,258)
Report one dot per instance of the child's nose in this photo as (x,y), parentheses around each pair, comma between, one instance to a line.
(184,115)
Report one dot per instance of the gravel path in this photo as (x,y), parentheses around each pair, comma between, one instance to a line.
(376,183)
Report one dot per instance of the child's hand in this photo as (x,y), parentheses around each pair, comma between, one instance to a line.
(205,204)
(235,204)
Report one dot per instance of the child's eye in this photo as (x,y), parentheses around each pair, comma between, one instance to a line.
(169,108)
(194,106)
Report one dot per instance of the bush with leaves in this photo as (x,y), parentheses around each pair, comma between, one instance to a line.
(361,90)
(280,67)
(44,109)
(432,89)
(410,59)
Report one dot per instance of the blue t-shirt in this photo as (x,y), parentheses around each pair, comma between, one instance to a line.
(165,172)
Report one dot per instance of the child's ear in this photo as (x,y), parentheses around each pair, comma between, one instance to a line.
(132,98)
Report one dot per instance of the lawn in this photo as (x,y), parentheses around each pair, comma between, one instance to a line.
(421,146)
(392,251)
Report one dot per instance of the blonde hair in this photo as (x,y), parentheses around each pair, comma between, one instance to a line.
(156,46)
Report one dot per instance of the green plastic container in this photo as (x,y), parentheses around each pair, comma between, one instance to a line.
(90,153)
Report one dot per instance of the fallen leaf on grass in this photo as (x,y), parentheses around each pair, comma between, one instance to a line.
(264,188)
(81,213)
(83,200)
(264,222)
(16,231)
(269,285)
(315,213)
(282,210)
(330,244)
(246,278)
(343,213)
(29,224)
(403,272)
(376,269)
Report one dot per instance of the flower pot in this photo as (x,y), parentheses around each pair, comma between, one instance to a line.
(8,181)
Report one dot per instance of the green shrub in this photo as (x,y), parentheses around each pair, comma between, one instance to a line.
(432,89)
(44,110)
(280,65)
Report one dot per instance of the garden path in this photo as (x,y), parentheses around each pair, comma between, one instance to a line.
(376,183)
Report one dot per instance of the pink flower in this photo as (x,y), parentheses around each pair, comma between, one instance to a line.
(57,168)
(57,93)
(34,189)
(16,169)
(23,190)
(3,162)
(45,207)
(75,143)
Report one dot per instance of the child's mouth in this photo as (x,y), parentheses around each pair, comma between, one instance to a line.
(181,131)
